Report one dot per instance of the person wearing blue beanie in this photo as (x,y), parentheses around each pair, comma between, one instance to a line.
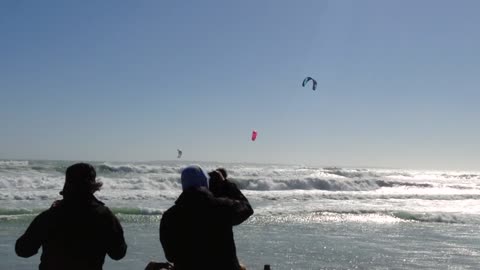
(197,232)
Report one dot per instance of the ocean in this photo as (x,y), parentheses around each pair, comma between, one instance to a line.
(305,217)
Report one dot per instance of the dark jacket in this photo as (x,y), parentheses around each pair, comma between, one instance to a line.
(74,234)
(196,233)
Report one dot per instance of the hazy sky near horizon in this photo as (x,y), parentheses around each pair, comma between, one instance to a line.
(398,81)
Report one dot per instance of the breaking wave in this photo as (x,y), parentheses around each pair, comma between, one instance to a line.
(140,192)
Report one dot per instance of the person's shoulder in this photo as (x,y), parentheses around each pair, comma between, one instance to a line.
(45,216)
(194,198)
(46,213)
(104,210)
(170,216)
(170,211)
(100,207)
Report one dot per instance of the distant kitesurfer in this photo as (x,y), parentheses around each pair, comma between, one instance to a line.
(76,232)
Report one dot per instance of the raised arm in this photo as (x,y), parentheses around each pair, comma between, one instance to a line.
(234,203)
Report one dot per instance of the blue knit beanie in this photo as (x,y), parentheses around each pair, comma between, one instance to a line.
(193,176)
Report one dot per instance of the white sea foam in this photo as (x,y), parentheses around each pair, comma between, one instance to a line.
(274,190)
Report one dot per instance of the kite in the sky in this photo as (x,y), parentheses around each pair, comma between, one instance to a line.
(179,153)
(254,135)
(307,79)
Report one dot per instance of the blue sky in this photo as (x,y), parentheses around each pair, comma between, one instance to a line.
(135,80)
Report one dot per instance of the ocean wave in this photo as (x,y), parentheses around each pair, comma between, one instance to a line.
(115,210)
(13,163)
(361,216)
(352,173)
(167,193)
(126,214)
(462,176)
(135,215)
(384,183)
(323,184)
(348,196)
(261,177)
(276,188)
(432,217)
(136,211)
(104,168)
(137,169)
(21,211)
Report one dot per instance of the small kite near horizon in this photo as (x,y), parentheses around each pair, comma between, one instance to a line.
(179,152)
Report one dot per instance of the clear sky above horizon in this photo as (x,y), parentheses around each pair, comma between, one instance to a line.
(398,81)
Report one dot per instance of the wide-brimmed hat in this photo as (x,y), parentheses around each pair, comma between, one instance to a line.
(81,178)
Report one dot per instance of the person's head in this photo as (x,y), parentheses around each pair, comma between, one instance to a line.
(223,172)
(193,177)
(215,176)
(216,180)
(80,181)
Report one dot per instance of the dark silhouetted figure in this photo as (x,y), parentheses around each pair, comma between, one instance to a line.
(76,232)
(196,233)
